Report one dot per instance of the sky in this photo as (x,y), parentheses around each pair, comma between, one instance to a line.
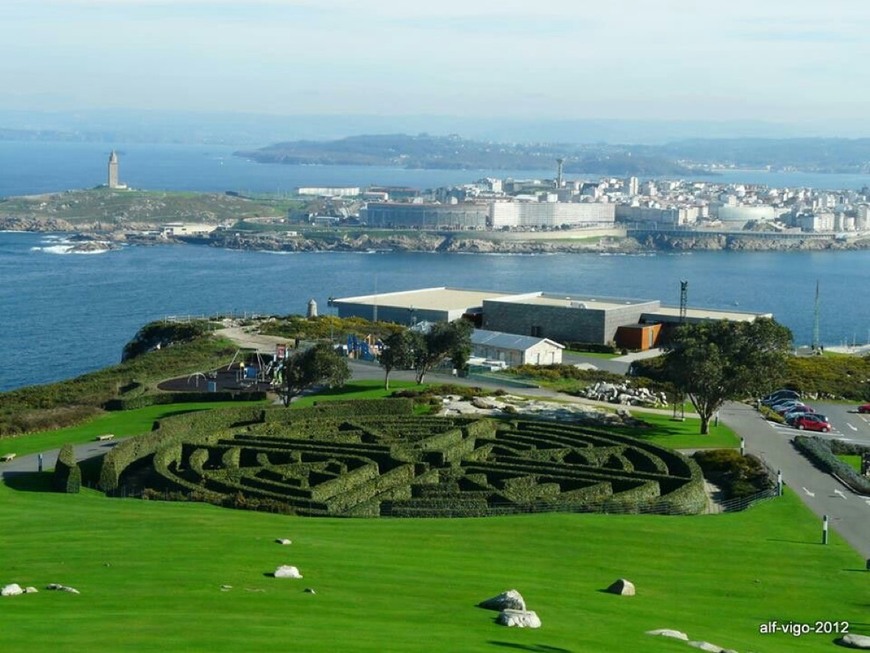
(792,61)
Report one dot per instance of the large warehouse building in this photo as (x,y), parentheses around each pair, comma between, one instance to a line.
(563,318)
(481,215)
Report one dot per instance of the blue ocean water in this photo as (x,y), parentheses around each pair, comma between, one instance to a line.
(65,314)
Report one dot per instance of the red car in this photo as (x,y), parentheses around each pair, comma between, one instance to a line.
(811,422)
(864,408)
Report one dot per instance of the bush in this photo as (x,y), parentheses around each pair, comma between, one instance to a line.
(67,473)
(737,475)
(821,455)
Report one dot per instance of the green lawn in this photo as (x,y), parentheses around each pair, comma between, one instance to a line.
(853,461)
(668,432)
(121,423)
(150,576)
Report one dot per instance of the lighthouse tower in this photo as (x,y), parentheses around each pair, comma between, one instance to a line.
(113,170)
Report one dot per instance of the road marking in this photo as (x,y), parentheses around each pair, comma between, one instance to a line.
(867,501)
(839,493)
(812,494)
(854,428)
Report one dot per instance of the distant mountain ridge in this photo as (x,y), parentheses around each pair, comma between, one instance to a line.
(682,158)
(453,152)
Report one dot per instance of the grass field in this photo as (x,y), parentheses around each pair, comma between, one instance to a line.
(150,576)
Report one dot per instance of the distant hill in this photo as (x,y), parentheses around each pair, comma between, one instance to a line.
(453,152)
(679,158)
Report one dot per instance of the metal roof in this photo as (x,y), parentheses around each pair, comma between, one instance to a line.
(508,340)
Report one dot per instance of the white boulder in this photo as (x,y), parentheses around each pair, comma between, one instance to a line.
(667,632)
(707,646)
(13,589)
(854,641)
(622,587)
(287,571)
(62,588)
(519,619)
(283,541)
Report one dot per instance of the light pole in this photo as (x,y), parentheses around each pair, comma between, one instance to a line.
(330,302)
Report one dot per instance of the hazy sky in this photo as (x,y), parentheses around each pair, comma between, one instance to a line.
(777,60)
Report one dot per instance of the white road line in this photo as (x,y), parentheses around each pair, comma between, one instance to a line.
(867,501)
(854,428)
(812,494)
(839,493)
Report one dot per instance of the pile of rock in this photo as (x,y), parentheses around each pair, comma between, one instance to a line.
(512,610)
(624,394)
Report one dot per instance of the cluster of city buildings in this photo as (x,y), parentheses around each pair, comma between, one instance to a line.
(564,204)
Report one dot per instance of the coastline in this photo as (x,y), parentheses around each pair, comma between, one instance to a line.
(357,240)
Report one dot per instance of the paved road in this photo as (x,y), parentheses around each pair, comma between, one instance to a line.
(30,462)
(848,513)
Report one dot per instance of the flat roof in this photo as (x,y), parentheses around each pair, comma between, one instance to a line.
(433,299)
(708,313)
(573,301)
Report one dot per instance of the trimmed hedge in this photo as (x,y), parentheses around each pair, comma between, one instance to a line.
(820,454)
(67,475)
(330,459)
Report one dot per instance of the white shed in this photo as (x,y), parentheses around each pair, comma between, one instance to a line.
(515,350)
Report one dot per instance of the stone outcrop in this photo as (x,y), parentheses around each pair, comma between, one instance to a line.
(622,587)
(624,394)
(62,588)
(509,600)
(668,632)
(286,571)
(13,589)
(519,619)
(854,641)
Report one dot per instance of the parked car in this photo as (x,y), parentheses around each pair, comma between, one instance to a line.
(779,395)
(797,411)
(864,408)
(812,422)
(786,406)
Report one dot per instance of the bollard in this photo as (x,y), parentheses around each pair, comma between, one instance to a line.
(742,446)
(40,462)
(825,529)
(779,483)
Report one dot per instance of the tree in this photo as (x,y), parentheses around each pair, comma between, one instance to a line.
(715,361)
(319,365)
(444,340)
(398,353)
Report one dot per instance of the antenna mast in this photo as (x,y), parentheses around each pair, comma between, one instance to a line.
(684,300)
(816,343)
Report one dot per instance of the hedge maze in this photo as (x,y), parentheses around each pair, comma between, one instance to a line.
(380,459)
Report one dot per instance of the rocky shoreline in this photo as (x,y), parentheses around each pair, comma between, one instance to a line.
(87,240)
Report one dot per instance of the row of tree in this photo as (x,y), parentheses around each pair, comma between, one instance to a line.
(708,362)
(322,365)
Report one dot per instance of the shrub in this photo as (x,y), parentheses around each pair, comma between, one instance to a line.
(67,473)
(737,475)
(820,454)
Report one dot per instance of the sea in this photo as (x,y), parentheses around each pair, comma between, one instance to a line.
(63,314)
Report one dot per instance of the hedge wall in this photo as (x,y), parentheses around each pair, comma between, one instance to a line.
(67,475)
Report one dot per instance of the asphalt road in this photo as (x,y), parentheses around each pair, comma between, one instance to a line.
(848,513)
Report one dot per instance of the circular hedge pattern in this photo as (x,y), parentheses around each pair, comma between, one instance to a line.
(393,463)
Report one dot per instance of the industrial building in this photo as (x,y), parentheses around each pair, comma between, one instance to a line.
(413,306)
(404,215)
(560,318)
(484,214)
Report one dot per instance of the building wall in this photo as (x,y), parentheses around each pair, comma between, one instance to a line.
(639,337)
(463,215)
(397,314)
(541,354)
(561,323)
(549,214)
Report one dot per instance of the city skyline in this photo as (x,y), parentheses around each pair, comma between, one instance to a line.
(784,62)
